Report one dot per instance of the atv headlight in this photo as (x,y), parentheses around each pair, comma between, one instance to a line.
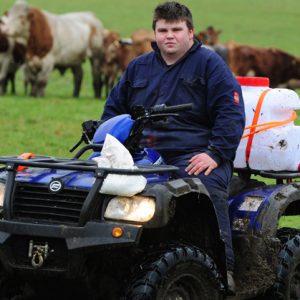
(2,191)
(136,208)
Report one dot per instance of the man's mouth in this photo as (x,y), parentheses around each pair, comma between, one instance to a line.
(170,44)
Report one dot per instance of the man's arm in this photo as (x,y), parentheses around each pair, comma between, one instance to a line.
(225,107)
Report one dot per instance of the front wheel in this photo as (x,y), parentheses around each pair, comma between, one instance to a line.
(181,272)
(287,285)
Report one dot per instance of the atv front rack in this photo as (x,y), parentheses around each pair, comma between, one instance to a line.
(13,162)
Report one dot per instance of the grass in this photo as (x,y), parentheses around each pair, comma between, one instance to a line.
(289,221)
(51,125)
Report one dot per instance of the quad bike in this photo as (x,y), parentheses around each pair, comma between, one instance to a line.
(60,235)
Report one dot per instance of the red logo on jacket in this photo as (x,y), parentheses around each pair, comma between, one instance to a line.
(236,98)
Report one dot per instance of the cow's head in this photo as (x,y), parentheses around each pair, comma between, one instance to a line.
(16,24)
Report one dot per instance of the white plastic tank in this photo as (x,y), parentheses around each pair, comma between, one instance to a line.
(271,141)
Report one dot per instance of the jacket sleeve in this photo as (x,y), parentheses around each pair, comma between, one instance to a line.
(225,107)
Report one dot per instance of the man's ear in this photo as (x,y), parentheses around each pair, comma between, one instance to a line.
(192,32)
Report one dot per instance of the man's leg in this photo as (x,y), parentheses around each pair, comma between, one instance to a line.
(216,183)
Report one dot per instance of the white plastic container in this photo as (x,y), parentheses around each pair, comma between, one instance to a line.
(278,147)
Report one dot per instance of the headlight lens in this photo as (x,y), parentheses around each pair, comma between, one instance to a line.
(136,208)
(2,191)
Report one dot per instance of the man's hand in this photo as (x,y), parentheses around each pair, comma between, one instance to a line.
(200,163)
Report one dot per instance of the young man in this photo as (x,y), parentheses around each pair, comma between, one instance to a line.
(201,142)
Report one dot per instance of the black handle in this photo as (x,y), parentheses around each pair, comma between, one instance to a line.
(158,109)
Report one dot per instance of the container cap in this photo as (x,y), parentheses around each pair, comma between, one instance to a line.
(253,81)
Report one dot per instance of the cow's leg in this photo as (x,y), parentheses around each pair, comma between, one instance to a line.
(12,81)
(77,79)
(41,86)
(33,90)
(96,73)
(42,76)
(4,69)
(2,87)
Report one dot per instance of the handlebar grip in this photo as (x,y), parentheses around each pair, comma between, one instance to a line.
(171,109)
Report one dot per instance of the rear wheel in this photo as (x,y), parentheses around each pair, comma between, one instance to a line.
(181,272)
(287,285)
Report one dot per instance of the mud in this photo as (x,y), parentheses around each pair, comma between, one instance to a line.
(256,261)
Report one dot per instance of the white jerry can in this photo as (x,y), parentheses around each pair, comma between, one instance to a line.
(271,141)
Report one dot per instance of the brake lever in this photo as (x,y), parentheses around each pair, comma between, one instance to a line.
(77,144)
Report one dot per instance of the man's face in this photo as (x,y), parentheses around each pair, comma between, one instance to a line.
(173,39)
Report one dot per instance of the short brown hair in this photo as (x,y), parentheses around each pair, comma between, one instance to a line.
(172,11)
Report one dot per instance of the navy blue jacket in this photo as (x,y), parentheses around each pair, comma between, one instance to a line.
(216,123)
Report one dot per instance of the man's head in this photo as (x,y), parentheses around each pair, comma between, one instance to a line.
(172,11)
(173,30)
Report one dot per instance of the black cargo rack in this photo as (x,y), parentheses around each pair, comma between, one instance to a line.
(13,162)
(80,165)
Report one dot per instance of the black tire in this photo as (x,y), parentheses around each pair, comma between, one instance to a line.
(287,284)
(181,272)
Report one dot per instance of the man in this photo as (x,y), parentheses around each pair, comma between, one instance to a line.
(201,142)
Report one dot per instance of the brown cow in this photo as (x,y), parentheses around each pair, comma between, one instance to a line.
(282,68)
(210,39)
(119,52)
(209,36)
(141,41)
(109,69)
(277,65)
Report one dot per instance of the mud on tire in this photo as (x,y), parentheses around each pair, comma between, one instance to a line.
(180,271)
(287,284)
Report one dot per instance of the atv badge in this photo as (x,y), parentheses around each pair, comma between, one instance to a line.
(55,186)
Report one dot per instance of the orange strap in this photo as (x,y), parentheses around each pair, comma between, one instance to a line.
(272,124)
(254,124)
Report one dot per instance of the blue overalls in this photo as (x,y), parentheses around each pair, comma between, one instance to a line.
(214,126)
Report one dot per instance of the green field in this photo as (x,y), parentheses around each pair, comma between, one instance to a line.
(52,125)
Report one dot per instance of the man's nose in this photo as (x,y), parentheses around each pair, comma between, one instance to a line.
(170,34)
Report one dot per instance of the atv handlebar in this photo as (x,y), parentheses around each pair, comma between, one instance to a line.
(162,108)
(141,116)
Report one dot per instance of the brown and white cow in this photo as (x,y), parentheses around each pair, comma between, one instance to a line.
(56,41)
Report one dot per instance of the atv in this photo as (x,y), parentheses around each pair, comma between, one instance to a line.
(61,237)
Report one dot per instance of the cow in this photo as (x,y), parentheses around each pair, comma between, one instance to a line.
(210,39)
(119,52)
(209,36)
(12,56)
(118,55)
(109,69)
(279,66)
(56,41)
(141,41)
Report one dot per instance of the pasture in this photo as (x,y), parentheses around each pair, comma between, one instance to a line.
(52,124)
